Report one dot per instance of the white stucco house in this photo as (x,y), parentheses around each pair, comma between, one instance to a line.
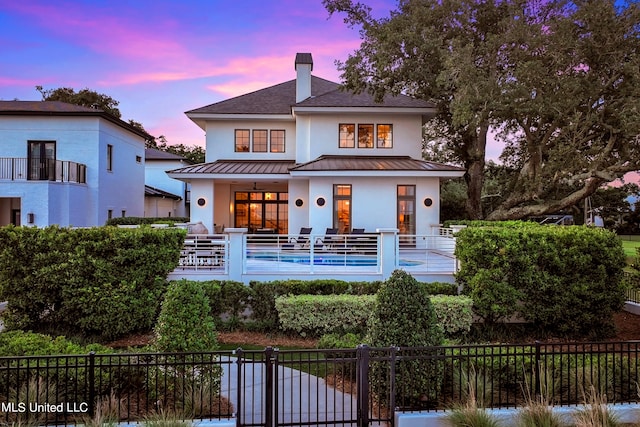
(68,165)
(305,153)
(164,196)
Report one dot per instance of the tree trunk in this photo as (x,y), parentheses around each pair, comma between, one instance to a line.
(474,177)
(548,207)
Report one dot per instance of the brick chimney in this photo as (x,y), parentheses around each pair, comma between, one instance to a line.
(304,66)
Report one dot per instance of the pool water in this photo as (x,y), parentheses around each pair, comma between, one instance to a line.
(324,259)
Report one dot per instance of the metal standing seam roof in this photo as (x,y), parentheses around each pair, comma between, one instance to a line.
(372,163)
(150,191)
(323,163)
(231,167)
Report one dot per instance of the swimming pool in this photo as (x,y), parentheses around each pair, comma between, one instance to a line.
(323,259)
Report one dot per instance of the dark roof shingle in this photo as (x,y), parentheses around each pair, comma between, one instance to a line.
(279,99)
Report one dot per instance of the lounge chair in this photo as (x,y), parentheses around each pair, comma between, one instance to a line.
(302,240)
(328,240)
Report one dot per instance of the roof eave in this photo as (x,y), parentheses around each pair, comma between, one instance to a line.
(378,173)
(425,112)
(236,116)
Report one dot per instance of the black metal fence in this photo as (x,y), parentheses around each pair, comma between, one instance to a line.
(270,387)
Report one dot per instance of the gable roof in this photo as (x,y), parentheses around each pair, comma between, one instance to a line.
(280,98)
(276,99)
(58,108)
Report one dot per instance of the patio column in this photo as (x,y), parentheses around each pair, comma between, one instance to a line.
(236,253)
(388,251)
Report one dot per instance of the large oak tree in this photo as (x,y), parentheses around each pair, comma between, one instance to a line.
(561,78)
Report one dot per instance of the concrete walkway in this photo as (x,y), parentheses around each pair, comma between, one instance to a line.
(302,398)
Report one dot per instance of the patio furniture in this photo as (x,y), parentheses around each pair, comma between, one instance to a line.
(329,239)
(301,241)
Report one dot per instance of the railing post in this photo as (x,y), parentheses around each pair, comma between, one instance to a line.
(537,371)
(392,381)
(268,384)
(362,360)
(239,406)
(236,253)
(388,251)
(92,387)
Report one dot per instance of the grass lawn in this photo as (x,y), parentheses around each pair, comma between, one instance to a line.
(630,249)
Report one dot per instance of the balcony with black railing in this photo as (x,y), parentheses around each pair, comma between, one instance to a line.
(24,169)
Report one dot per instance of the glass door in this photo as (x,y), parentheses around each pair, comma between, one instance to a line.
(42,160)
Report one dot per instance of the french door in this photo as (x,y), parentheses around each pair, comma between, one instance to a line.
(42,161)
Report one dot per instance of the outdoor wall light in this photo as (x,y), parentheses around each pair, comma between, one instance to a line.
(320,201)
(299,202)
(31,218)
(201,201)
(428,202)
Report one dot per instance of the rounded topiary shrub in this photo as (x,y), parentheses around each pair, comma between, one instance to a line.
(185,322)
(404,317)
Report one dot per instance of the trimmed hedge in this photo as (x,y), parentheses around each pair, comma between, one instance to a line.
(264,294)
(564,280)
(454,313)
(323,314)
(403,316)
(137,220)
(102,281)
(339,314)
(185,323)
(21,343)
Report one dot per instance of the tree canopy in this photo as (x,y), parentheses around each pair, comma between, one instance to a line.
(560,78)
(92,99)
(194,153)
(84,97)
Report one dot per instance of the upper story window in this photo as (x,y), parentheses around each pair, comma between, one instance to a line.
(384,136)
(242,140)
(277,141)
(366,135)
(109,157)
(347,138)
(260,140)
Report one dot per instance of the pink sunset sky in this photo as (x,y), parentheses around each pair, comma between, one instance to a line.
(160,58)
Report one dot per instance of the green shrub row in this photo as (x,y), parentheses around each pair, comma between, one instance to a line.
(21,343)
(102,281)
(263,294)
(454,313)
(481,223)
(563,280)
(340,314)
(136,220)
(323,314)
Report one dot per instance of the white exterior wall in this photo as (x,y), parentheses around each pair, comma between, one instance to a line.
(121,189)
(81,140)
(155,175)
(221,140)
(300,216)
(323,136)
(374,202)
(202,189)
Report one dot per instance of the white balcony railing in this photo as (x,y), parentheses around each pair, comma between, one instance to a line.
(19,169)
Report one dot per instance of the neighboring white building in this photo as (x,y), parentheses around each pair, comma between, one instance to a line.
(68,165)
(164,196)
(304,153)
